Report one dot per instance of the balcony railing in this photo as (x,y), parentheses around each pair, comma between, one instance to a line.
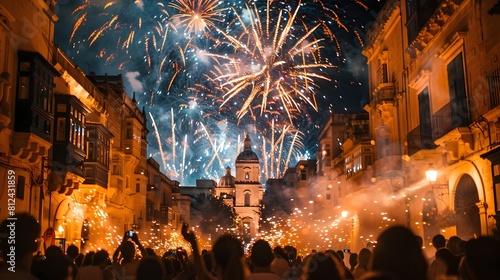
(78,75)
(418,141)
(494,88)
(384,92)
(442,122)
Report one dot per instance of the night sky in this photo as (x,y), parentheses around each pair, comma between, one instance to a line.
(204,83)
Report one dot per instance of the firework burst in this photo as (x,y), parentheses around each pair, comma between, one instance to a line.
(197,15)
(271,67)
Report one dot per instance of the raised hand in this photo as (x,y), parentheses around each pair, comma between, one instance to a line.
(188,235)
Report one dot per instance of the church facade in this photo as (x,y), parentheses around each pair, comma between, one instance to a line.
(243,192)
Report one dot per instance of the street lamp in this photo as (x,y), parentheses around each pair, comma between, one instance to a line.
(431,175)
(344,214)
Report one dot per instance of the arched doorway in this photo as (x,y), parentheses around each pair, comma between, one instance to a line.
(466,210)
(430,217)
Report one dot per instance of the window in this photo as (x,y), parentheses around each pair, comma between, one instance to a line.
(424,108)
(247,176)
(303,175)
(328,196)
(24,88)
(458,97)
(90,151)
(382,73)
(20,187)
(137,187)
(247,199)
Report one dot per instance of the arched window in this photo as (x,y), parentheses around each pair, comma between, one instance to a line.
(247,176)
(247,199)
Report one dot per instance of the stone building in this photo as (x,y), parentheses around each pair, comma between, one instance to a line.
(244,191)
(76,143)
(433,76)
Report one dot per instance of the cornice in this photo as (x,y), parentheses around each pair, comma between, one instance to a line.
(442,14)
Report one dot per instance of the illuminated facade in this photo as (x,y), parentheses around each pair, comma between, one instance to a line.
(434,87)
(244,191)
(76,143)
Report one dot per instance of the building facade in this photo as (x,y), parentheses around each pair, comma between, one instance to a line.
(433,75)
(243,192)
(76,143)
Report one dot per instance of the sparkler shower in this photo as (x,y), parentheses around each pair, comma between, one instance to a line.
(210,70)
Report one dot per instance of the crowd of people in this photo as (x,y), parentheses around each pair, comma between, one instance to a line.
(397,255)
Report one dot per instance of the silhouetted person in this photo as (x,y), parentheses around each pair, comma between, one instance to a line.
(99,269)
(481,260)
(398,253)
(228,255)
(27,231)
(150,268)
(364,258)
(261,258)
(438,241)
(72,252)
(353,261)
(323,266)
(87,260)
(455,245)
(280,263)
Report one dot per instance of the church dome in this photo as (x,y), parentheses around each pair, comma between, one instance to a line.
(247,154)
(227,180)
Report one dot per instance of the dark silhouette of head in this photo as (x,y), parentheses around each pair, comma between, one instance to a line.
(364,258)
(87,260)
(278,251)
(150,268)
(454,244)
(449,259)
(398,253)
(340,254)
(127,249)
(438,241)
(79,259)
(53,251)
(323,266)
(482,258)
(228,254)
(27,233)
(167,265)
(262,254)
(100,258)
(72,251)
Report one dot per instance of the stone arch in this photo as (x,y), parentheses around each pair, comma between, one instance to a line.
(466,199)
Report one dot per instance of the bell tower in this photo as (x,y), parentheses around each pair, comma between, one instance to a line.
(248,189)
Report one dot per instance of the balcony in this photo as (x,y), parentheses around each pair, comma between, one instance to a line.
(442,122)
(494,88)
(384,92)
(418,140)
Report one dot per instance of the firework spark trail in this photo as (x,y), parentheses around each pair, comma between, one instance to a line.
(213,145)
(279,71)
(264,157)
(184,158)
(281,144)
(172,124)
(160,147)
(291,149)
(272,149)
